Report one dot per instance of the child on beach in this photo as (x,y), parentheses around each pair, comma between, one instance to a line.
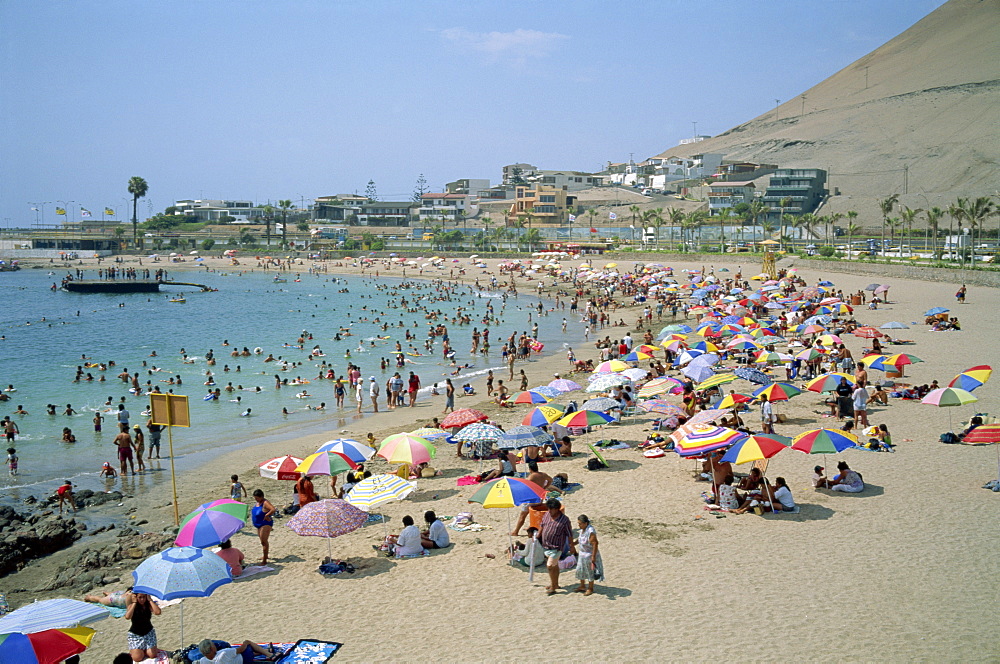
(65,494)
(236,490)
(98,418)
(108,471)
(12,461)
(818,478)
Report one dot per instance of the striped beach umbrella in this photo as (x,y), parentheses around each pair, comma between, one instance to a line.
(508,492)
(732,400)
(901,360)
(764,357)
(542,416)
(715,381)
(636,356)
(824,441)
(531,397)
(810,354)
(756,447)
(777,391)
(352,449)
(662,407)
(50,646)
(972,378)
(661,386)
(325,463)
(828,382)
(406,448)
(584,418)
(949,396)
(703,439)
(212,523)
(379,489)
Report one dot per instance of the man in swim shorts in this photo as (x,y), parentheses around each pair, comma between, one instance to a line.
(124,443)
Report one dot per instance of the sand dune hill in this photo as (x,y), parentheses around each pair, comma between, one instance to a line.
(930,105)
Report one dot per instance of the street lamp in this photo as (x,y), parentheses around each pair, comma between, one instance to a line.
(68,206)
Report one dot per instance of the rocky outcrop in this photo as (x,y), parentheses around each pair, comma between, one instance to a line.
(107,563)
(24,537)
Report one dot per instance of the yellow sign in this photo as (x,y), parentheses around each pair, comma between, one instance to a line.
(169,410)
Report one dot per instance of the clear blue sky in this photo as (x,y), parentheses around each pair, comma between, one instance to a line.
(289,99)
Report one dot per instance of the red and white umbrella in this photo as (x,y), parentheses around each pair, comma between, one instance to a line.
(281,468)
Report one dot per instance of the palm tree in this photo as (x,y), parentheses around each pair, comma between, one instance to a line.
(634,209)
(894,223)
(886,205)
(933,218)
(852,230)
(788,219)
(978,213)
(593,214)
(691,222)
(723,217)
(138,187)
(851,216)
(802,223)
(268,212)
(757,209)
(656,216)
(675,217)
(908,215)
(285,206)
(831,221)
(531,238)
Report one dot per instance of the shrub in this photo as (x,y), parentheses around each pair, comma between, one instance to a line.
(827,251)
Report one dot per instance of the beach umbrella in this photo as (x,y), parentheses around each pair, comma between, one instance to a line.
(524,436)
(611,366)
(542,416)
(56,613)
(327,518)
(828,382)
(480,432)
(662,407)
(584,418)
(873,361)
(463,417)
(900,360)
(326,463)
(733,400)
(756,447)
(895,325)
(379,489)
(743,344)
(507,492)
(406,448)
(698,373)
(281,468)
(763,357)
(871,287)
(605,383)
(50,646)
(352,449)
(704,438)
(715,381)
(972,378)
(600,403)
(658,386)
(830,340)
(753,375)
(430,433)
(705,347)
(564,385)
(935,311)
(689,355)
(545,390)
(212,523)
(635,374)
(949,397)
(867,332)
(636,356)
(646,348)
(180,572)
(824,441)
(531,397)
(809,354)
(777,391)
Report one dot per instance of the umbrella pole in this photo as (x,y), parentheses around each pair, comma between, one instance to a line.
(510,541)
(531,557)
(182,624)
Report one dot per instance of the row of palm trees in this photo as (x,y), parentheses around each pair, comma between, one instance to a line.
(964,212)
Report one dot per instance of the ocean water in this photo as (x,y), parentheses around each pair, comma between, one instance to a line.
(47,333)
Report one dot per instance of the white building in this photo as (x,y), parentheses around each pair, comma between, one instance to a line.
(210,210)
(447,207)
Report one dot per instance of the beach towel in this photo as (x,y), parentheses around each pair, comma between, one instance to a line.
(374,518)
(472,527)
(309,651)
(253,569)
(468,480)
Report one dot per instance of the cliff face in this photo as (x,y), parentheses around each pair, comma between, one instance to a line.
(930,107)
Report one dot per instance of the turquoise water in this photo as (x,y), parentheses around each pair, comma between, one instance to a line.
(47,332)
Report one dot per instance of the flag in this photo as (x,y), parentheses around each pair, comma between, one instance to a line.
(84,212)
(572,217)
(593,230)
(60,210)
(612,215)
(108,212)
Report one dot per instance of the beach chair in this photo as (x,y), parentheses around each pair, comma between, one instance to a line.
(628,413)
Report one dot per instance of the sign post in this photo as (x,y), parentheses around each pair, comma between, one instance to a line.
(170,410)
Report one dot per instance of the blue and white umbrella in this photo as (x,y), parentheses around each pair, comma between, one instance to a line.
(59,613)
(524,436)
(550,392)
(478,432)
(352,449)
(604,383)
(753,375)
(602,404)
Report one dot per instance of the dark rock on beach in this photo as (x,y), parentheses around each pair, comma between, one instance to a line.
(24,538)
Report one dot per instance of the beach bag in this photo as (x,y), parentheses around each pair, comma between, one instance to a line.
(950,438)
(594,463)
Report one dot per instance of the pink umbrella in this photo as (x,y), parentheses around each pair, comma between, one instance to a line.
(281,468)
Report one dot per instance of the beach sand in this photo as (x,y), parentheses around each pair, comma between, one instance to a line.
(902,571)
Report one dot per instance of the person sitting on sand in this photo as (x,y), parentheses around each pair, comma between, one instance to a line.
(782,499)
(232,556)
(245,652)
(436,535)
(521,553)
(848,481)
(976,421)
(818,478)
(728,498)
(505,469)
(408,542)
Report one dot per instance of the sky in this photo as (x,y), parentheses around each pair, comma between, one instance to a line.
(265,100)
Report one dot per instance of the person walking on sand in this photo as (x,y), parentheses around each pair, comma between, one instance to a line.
(589,566)
(411,389)
(139,443)
(124,443)
(557,535)
(766,415)
(359,392)
(449,397)
(373,392)
(960,295)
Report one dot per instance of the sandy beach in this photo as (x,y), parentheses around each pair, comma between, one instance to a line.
(902,571)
